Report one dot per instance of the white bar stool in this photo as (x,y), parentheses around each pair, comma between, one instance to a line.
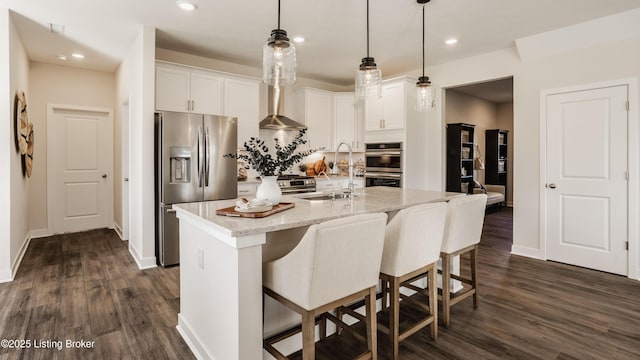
(465,218)
(335,263)
(411,251)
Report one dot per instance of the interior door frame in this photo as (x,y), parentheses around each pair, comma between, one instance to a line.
(633,139)
(51,177)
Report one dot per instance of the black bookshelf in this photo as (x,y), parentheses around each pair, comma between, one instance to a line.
(497,160)
(460,157)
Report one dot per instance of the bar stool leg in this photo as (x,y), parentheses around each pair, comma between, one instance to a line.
(372,336)
(394,316)
(432,283)
(446,284)
(474,277)
(308,336)
(385,290)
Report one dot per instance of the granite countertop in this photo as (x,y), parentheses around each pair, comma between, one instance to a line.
(305,212)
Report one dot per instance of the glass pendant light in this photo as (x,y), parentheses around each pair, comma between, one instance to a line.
(425,92)
(278,58)
(368,76)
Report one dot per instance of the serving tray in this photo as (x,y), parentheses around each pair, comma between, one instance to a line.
(230,211)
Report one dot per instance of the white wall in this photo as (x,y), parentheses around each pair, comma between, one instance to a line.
(135,80)
(14,220)
(603,62)
(7,147)
(58,84)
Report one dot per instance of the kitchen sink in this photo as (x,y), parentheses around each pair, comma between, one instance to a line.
(325,196)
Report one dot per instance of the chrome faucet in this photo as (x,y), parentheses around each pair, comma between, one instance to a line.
(351,186)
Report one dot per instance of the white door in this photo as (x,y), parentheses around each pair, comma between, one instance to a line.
(124,159)
(586,187)
(80,168)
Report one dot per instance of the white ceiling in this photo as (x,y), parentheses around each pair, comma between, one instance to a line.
(235,30)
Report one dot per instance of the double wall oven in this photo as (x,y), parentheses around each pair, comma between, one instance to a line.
(383,164)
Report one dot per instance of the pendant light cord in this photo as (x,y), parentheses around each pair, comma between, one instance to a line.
(367,28)
(278,14)
(423,36)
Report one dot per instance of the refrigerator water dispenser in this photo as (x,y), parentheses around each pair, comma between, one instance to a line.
(180,158)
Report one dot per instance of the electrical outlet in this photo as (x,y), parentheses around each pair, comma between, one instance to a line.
(201,258)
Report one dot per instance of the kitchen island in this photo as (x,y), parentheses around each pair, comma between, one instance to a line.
(221,264)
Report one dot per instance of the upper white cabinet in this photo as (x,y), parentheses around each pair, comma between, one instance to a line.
(318,112)
(183,89)
(187,89)
(349,122)
(388,112)
(242,100)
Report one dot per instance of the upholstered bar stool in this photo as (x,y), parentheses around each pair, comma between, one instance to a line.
(465,218)
(411,251)
(335,263)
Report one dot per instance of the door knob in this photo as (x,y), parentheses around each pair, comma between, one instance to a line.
(551,186)
(126,179)
(104,176)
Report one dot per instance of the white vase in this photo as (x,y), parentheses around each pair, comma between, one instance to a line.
(269,190)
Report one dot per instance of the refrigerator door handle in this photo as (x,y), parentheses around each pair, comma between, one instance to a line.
(201,158)
(207,161)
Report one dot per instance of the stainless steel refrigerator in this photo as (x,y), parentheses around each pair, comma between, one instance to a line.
(190,167)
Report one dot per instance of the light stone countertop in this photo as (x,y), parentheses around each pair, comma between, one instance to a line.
(305,212)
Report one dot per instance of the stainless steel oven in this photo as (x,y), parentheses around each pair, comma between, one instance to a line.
(383,179)
(383,157)
(383,164)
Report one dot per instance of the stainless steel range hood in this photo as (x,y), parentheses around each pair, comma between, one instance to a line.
(277,121)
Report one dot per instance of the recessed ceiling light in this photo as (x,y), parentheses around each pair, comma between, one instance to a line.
(62,57)
(298,39)
(186,6)
(451,41)
(77,55)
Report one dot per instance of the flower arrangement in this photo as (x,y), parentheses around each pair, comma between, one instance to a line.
(265,164)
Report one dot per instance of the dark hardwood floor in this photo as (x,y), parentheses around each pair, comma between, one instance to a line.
(85,286)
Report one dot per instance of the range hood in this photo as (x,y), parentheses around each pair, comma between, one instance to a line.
(277,121)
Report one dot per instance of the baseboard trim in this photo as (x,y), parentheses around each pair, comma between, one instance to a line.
(20,256)
(526,251)
(5,276)
(143,263)
(40,233)
(8,275)
(118,231)
(192,341)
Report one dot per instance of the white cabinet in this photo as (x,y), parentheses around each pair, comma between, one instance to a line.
(186,89)
(388,112)
(318,113)
(183,89)
(323,184)
(242,100)
(333,183)
(247,189)
(349,123)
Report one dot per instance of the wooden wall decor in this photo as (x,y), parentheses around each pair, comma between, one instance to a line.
(23,131)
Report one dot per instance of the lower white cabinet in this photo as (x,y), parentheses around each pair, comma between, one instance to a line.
(324,184)
(247,189)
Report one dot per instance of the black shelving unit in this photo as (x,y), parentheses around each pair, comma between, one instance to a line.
(497,162)
(460,157)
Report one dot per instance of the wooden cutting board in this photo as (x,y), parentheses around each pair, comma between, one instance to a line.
(230,211)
